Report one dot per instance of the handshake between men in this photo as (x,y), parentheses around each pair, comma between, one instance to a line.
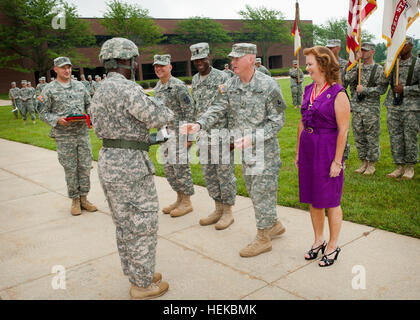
(191,128)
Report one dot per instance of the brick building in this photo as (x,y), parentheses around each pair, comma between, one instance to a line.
(279,56)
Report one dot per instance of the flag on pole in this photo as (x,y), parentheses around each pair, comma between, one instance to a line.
(296,30)
(359,11)
(398,17)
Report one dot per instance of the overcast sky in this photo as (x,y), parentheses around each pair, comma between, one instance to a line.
(319,11)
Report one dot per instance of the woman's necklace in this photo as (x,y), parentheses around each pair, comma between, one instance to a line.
(314,95)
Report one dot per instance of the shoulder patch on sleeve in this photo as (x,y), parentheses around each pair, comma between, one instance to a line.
(222,88)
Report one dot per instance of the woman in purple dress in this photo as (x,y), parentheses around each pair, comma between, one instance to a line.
(322,135)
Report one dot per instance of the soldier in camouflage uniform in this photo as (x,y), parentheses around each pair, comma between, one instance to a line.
(33,99)
(176,96)
(252,101)
(366,108)
(86,84)
(228,71)
(61,98)
(403,113)
(91,91)
(122,115)
(96,84)
(335,46)
(218,174)
(26,95)
(41,85)
(295,86)
(259,67)
(14,96)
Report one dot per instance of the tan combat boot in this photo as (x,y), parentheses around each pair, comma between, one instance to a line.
(184,207)
(362,168)
(227,218)
(408,172)
(174,205)
(85,204)
(397,172)
(153,291)
(75,207)
(213,217)
(261,244)
(276,230)
(370,169)
(157,277)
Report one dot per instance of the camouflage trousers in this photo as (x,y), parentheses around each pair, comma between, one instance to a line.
(178,172)
(366,131)
(262,188)
(346,152)
(27,107)
(403,127)
(220,178)
(296,95)
(134,208)
(75,155)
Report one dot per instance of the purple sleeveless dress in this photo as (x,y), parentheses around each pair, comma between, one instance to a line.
(317,147)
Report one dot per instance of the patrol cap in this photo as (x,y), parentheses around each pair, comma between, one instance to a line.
(104,75)
(331,43)
(368,46)
(226,65)
(162,60)
(258,60)
(199,51)
(23,82)
(409,39)
(61,61)
(13,82)
(42,78)
(28,82)
(294,62)
(241,49)
(97,76)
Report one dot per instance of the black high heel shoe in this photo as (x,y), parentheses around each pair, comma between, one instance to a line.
(329,262)
(313,253)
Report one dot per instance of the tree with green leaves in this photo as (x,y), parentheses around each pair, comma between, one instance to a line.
(336,29)
(34,33)
(201,29)
(380,52)
(265,27)
(132,22)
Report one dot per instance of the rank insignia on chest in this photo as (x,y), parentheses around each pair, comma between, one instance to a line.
(222,88)
(41,98)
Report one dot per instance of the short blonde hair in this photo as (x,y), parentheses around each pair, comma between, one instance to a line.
(327,63)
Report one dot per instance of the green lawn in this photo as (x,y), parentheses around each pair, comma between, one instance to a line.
(375,201)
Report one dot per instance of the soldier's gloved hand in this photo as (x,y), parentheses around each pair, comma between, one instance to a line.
(359,88)
(398,88)
(243,143)
(189,128)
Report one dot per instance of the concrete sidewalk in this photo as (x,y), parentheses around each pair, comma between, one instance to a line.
(37,233)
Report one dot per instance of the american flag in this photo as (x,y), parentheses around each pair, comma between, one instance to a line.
(359,11)
(296,30)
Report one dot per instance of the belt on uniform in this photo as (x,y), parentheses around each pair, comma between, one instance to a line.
(125,144)
(320,130)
